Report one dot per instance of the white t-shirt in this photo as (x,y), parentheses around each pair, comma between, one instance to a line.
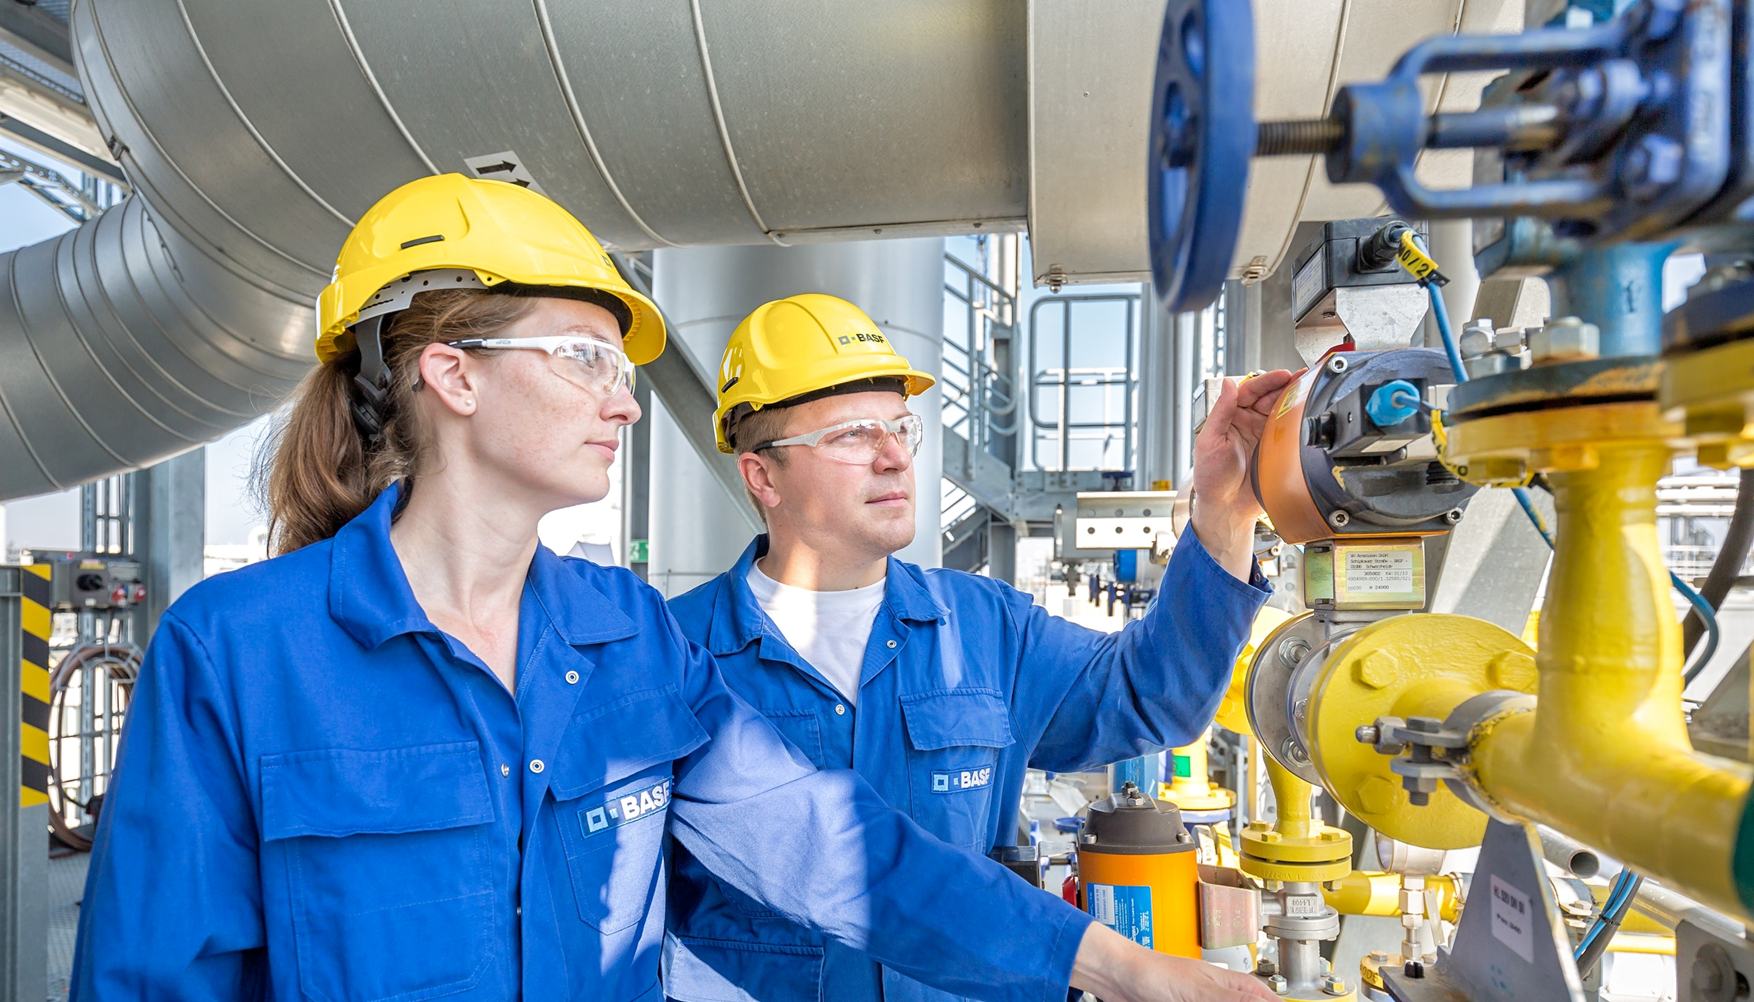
(829,629)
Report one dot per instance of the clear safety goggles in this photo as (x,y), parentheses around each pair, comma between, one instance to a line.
(599,366)
(859,441)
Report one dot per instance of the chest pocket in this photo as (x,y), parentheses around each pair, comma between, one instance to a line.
(388,856)
(612,790)
(801,728)
(954,739)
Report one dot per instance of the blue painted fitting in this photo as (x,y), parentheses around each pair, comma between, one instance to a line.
(1385,409)
(1620,290)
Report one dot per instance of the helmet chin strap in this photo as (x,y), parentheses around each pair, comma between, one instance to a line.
(371,387)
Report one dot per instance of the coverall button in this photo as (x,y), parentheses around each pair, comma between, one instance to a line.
(505,770)
(572,678)
(536,765)
(840,709)
(889,643)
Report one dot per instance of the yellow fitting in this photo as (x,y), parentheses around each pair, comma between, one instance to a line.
(1192,789)
(1441,661)
(1297,846)
(1605,757)
(1233,712)
(1366,892)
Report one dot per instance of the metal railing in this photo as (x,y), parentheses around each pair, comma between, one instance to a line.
(1693,563)
(1069,386)
(979,395)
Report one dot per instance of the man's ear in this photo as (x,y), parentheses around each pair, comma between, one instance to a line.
(757,472)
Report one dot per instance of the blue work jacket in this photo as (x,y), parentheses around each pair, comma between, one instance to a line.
(966,683)
(322,796)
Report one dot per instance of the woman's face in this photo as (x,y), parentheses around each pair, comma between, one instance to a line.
(541,425)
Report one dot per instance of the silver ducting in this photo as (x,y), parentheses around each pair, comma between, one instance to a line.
(253,134)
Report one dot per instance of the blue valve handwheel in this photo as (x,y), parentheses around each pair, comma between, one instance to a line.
(1202,136)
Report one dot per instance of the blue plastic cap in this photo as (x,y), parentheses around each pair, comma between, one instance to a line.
(1387,407)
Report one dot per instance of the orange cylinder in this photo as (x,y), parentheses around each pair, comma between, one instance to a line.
(1137,872)
(1279,479)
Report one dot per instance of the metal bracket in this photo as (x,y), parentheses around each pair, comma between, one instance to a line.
(1711,966)
(1429,751)
(1511,945)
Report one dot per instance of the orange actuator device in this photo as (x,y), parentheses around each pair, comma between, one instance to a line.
(1137,872)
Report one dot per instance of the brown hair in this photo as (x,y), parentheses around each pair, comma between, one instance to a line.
(324,470)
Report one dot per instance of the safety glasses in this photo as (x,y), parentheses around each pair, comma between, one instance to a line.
(601,367)
(860,441)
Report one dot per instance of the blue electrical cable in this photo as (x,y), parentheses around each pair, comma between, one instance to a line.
(1708,616)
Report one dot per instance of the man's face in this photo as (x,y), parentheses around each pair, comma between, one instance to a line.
(838,506)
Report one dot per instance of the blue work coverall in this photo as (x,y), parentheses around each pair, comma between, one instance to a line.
(321,796)
(966,683)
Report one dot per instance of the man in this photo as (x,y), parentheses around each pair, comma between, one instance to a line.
(940,688)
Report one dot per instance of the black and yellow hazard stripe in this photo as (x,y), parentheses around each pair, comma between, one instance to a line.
(35,732)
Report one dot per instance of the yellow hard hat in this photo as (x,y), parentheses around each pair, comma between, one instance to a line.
(802,344)
(485,232)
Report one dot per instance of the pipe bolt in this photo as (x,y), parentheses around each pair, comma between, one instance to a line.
(1376,795)
(1476,338)
(1565,339)
(1377,669)
(1334,985)
(1278,983)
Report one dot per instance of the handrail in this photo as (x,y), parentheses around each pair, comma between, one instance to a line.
(1062,378)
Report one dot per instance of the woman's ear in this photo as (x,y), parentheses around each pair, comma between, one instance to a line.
(451,375)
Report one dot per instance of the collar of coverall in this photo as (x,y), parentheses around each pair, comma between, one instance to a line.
(370,598)
(737,616)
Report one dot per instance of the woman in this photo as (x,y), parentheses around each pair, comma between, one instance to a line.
(418,755)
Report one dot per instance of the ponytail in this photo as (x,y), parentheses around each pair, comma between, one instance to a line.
(325,470)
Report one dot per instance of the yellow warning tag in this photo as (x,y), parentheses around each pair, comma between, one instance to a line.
(1418,263)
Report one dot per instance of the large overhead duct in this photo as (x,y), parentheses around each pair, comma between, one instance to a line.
(254,134)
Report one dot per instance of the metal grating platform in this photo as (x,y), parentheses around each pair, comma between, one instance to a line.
(66,884)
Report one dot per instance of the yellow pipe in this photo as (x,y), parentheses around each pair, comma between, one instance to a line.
(1367,892)
(1605,757)
(1291,795)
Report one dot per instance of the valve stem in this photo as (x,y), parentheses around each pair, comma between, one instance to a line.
(1299,137)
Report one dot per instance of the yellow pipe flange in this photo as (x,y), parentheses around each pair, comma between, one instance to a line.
(1711,394)
(1371,967)
(1505,447)
(1233,714)
(1297,846)
(1415,665)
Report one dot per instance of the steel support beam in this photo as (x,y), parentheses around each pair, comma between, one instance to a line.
(681,383)
(24,814)
(39,35)
(170,527)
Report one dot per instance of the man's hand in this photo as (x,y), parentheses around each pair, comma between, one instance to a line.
(1119,970)
(1225,508)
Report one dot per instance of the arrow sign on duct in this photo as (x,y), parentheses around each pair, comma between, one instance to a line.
(505,165)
